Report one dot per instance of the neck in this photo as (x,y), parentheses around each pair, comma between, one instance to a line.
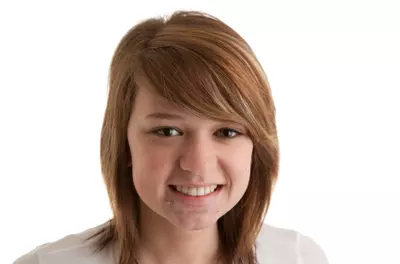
(162,242)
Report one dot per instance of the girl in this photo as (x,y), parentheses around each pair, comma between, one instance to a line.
(189,155)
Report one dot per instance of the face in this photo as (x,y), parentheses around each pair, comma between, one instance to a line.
(187,170)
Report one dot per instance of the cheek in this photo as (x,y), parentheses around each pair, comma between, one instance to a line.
(239,166)
(151,164)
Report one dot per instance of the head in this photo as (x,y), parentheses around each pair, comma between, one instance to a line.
(187,169)
(189,106)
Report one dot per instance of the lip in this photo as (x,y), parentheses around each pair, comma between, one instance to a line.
(195,185)
(194,201)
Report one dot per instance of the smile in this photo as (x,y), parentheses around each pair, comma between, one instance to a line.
(192,191)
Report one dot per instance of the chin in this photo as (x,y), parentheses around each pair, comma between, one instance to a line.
(197,227)
(194,224)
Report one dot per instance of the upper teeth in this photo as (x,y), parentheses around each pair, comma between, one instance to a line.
(196,191)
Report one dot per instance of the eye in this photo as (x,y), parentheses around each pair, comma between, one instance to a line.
(167,132)
(227,133)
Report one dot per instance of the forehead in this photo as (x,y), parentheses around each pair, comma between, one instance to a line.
(148,101)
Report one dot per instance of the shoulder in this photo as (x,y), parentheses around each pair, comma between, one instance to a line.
(74,248)
(286,246)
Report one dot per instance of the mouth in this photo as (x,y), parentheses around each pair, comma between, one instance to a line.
(196,191)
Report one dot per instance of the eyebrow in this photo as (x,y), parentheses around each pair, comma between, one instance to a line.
(160,115)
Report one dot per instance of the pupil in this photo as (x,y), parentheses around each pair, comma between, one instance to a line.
(227,133)
(167,132)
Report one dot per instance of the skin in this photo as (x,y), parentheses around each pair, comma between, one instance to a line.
(172,147)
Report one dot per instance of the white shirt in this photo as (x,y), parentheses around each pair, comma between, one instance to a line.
(274,246)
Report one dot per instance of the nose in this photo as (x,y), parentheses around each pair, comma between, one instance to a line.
(198,156)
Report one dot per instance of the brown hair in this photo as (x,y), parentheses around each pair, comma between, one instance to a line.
(202,65)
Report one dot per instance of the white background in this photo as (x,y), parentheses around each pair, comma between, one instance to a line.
(334,67)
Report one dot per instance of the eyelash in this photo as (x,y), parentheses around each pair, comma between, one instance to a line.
(161,129)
